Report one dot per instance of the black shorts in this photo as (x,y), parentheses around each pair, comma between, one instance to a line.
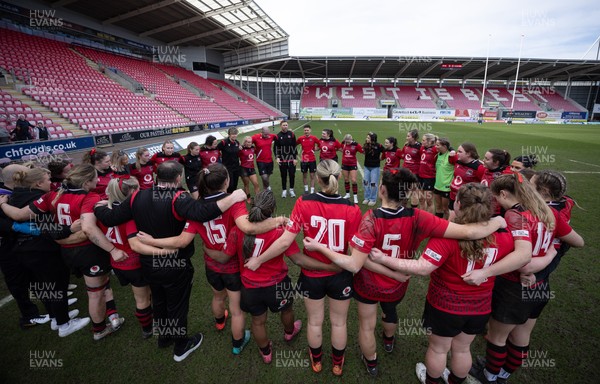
(451,205)
(445,195)
(87,260)
(276,298)
(247,172)
(446,324)
(308,166)
(192,184)
(514,304)
(134,277)
(426,184)
(387,307)
(337,287)
(349,167)
(220,281)
(265,168)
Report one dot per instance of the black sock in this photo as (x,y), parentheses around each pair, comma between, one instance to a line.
(238,343)
(337,355)
(453,379)
(432,380)
(371,363)
(317,353)
(266,350)
(220,320)
(98,327)
(111,307)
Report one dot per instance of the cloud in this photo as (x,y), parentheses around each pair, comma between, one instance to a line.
(552,28)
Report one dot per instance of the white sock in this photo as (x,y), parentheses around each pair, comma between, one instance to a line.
(269,187)
(489,376)
(64,326)
(306,188)
(503,374)
(312,190)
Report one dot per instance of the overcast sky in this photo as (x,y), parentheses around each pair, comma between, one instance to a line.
(552,28)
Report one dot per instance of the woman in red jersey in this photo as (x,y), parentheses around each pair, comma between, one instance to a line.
(426,172)
(129,271)
(523,162)
(350,165)
(330,219)
(397,231)
(410,153)
(209,153)
(167,153)
(58,172)
(455,312)
(247,156)
(391,154)
(90,256)
(496,163)
(101,162)
(328,146)
(308,163)
(269,287)
(467,169)
(192,164)
(119,164)
(222,273)
(143,169)
(515,308)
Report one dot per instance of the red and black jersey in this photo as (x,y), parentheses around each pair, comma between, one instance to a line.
(391,158)
(398,234)
(465,173)
(103,179)
(145,175)
(68,208)
(119,236)
(247,157)
(269,273)
(214,233)
(488,177)
(564,207)
(209,156)
(447,291)
(329,148)
(263,147)
(411,156)
(329,219)
(308,145)
(427,164)
(349,153)
(160,157)
(524,226)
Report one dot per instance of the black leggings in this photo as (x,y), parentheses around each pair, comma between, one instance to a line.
(287,167)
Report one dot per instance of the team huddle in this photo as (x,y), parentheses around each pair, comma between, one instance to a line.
(495,229)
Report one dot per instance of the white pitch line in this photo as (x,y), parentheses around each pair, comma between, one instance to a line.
(585,172)
(6,300)
(362,174)
(581,162)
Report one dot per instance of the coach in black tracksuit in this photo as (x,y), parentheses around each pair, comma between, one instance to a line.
(162,212)
(230,148)
(285,153)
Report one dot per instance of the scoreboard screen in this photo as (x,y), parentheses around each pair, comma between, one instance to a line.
(451,65)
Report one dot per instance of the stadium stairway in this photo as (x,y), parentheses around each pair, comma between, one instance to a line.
(46,112)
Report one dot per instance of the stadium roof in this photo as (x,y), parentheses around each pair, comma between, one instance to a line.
(216,24)
(445,68)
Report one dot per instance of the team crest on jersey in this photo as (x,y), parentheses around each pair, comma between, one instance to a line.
(434,255)
(95,269)
(358,241)
(346,291)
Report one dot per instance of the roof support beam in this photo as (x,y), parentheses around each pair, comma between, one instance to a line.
(140,11)
(401,71)
(351,69)
(216,31)
(431,68)
(192,19)
(377,69)
(244,37)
